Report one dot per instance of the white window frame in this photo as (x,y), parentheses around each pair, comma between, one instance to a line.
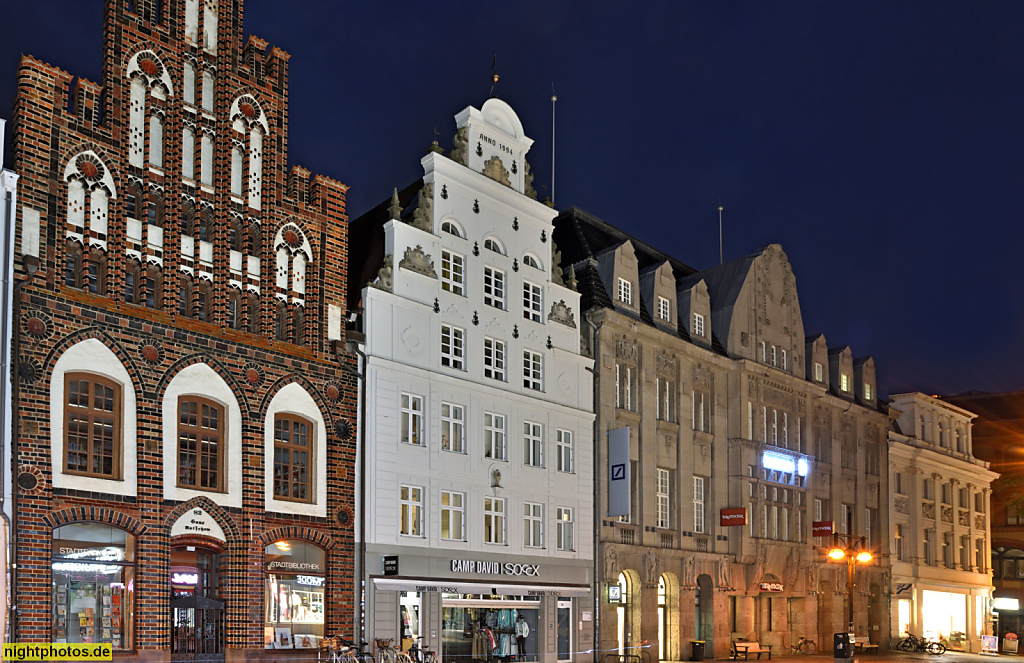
(453,347)
(818,372)
(494,359)
(453,509)
(625,291)
(867,391)
(698,505)
(533,444)
(533,302)
(494,287)
(664,309)
(698,325)
(665,399)
(844,381)
(775,356)
(495,440)
(664,499)
(533,525)
(453,272)
(623,391)
(898,543)
(533,370)
(785,366)
(566,457)
(494,520)
(411,419)
(566,530)
(453,427)
(411,511)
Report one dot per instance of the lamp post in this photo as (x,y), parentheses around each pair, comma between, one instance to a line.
(854,549)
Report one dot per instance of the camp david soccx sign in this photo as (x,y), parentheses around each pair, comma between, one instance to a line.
(495,568)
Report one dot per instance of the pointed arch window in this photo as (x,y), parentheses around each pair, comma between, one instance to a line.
(281,326)
(208,90)
(148,79)
(92,426)
(298,325)
(204,302)
(189,70)
(156,141)
(234,312)
(188,153)
(254,313)
(185,296)
(200,444)
(293,458)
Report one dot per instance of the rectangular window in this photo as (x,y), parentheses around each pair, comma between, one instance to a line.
(698,325)
(869,521)
(453,516)
(494,436)
(775,356)
(92,426)
(965,498)
(947,493)
(698,505)
(846,524)
(625,292)
(411,516)
(565,451)
(900,555)
(979,502)
(200,444)
(844,382)
(784,524)
(494,520)
(926,489)
(775,427)
(533,444)
(453,273)
(293,456)
(764,352)
(897,482)
(566,534)
(533,525)
(817,509)
(664,309)
(624,386)
(818,372)
(666,399)
(494,359)
(533,303)
(965,552)
(453,347)
(947,550)
(494,287)
(701,411)
(533,375)
(783,360)
(453,427)
(867,392)
(663,499)
(979,555)
(412,419)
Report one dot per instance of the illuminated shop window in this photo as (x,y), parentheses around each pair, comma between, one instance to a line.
(296,581)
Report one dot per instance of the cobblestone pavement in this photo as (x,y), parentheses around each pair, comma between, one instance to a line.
(902,657)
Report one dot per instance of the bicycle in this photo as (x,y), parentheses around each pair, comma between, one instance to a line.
(353,653)
(418,655)
(804,646)
(912,643)
(385,652)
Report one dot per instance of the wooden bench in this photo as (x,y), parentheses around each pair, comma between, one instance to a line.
(748,648)
(860,643)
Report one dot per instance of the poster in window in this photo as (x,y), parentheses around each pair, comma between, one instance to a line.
(283,637)
(305,641)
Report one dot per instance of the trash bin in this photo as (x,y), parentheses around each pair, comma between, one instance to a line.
(842,646)
(696,650)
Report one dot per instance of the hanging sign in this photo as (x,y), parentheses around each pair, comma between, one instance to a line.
(822,528)
(732,517)
(771,586)
(391,565)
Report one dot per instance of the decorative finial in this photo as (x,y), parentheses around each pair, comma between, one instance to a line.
(395,210)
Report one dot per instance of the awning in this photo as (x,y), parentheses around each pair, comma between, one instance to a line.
(462,587)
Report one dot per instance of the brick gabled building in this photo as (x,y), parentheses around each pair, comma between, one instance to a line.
(183,456)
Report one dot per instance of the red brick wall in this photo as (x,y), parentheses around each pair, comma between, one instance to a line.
(56,117)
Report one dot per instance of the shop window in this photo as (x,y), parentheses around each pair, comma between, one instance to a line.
(293,459)
(200,444)
(93,572)
(92,426)
(295,584)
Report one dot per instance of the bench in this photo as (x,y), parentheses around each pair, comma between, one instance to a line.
(748,648)
(860,643)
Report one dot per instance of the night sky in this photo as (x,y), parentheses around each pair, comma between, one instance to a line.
(881,143)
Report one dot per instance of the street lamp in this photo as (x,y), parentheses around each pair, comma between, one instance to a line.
(854,549)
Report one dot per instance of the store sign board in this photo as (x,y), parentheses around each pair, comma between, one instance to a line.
(771,586)
(479,587)
(614,594)
(494,568)
(197,521)
(990,644)
(391,565)
(1010,643)
(1000,603)
(822,528)
(619,491)
(732,517)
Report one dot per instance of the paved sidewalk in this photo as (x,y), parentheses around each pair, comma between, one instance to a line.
(902,657)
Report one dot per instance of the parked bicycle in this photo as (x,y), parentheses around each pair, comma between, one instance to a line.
(385,652)
(804,646)
(912,643)
(418,655)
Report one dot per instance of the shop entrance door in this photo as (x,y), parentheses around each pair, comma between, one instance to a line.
(197,613)
(564,632)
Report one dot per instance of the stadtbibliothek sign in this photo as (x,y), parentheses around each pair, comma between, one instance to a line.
(494,568)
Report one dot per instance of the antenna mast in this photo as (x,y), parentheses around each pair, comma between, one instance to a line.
(553,100)
(720,208)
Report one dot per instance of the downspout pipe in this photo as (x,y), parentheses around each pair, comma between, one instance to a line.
(598,484)
(360,560)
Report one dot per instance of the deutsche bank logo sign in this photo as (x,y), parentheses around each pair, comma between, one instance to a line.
(619,490)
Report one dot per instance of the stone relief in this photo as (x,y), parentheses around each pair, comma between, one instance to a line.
(725,573)
(813,575)
(928,510)
(752,387)
(702,377)
(556,264)
(964,518)
(611,565)
(423,217)
(652,567)
(792,569)
(560,312)
(665,364)
(777,395)
(979,522)
(415,260)
(759,564)
(900,505)
(947,514)
(744,339)
(689,577)
(460,140)
(626,350)
(494,169)
(384,275)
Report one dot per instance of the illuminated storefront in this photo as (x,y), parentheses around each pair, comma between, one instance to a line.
(295,582)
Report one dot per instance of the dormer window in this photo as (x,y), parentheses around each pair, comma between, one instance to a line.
(625,292)
(818,372)
(492,244)
(698,325)
(664,309)
(844,381)
(531,261)
(867,392)
(452,229)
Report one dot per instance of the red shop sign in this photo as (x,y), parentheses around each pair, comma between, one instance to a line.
(731,517)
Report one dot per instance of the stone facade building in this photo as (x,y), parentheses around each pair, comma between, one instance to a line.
(742,432)
(939,515)
(184,437)
(478,418)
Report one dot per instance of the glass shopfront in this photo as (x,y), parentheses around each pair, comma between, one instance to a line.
(295,584)
(93,582)
(477,627)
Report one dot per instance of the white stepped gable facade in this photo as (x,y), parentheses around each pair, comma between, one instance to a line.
(479,411)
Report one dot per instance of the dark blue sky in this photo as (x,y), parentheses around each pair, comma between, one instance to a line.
(881,143)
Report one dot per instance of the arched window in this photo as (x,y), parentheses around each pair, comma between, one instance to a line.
(188,153)
(132,195)
(298,325)
(188,212)
(1012,564)
(958,437)
(236,170)
(255,167)
(189,70)
(234,320)
(203,227)
(92,426)
(156,140)
(450,228)
(255,241)
(72,264)
(293,256)
(293,458)
(281,325)
(185,296)
(132,282)
(147,78)
(531,260)
(492,244)
(248,117)
(922,429)
(208,90)
(201,443)
(203,300)
(154,210)
(206,159)
(236,238)
(154,287)
(254,313)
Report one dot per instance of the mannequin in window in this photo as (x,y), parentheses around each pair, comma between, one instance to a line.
(522,631)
